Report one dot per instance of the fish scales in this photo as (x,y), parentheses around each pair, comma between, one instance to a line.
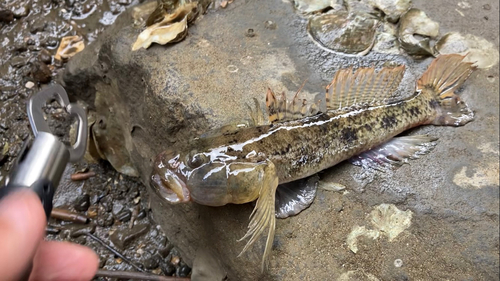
(303,147)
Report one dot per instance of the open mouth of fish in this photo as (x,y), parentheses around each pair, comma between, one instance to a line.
(171,187)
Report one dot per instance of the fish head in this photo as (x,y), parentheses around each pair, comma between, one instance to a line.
(194,176)
(169,177)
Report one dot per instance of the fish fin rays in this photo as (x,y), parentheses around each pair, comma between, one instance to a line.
(263,215)
(446,74)
(443,77)
(281,109)
(395,152)
(363,87)
(294,197)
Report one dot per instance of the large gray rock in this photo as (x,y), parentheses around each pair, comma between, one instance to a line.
(147,100)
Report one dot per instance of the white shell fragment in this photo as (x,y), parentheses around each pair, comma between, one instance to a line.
(172,28)
(386,219)
(161,34)
(478,50)
(70,46)
(310,6)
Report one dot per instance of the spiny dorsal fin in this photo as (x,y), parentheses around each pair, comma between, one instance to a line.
(446,74)
(280,109)
(365,86)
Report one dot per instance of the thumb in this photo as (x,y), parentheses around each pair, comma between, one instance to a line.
(22,221)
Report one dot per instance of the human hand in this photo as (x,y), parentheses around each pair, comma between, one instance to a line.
(22,228)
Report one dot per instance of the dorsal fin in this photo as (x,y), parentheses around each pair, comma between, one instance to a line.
(280,109)
(363,87)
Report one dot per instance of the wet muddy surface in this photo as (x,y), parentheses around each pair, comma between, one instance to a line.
(116,206)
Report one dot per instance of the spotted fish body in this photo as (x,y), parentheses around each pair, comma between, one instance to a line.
(248,164)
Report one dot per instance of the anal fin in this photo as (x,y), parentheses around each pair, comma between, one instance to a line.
(395,152)
(294,197)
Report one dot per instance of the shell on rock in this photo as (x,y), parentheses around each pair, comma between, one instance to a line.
(393,9)
(481,52)
(416,22)
(343,32)
(311,6)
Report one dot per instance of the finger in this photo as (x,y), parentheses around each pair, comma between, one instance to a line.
(64,261)
(22,225)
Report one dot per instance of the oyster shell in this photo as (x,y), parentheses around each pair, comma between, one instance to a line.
(393,9)
(478,50)
(343,32)
(310,6)
(416,22)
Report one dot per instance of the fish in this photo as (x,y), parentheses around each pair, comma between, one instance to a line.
(362,123)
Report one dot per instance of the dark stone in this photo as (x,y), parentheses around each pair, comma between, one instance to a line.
(18,61)
(152,262)
(123,237)
(69,3)
(142,214)
(38,26)
(6,16)
(44,56)
(105,219)
(183,271)
(168,269)
(41,72)
(124,216)
(82,203)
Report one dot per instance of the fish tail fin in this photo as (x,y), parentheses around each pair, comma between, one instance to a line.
(443,77)
(263,215)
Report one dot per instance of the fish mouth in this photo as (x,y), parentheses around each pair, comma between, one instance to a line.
(171,187)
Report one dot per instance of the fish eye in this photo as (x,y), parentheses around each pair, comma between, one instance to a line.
(196,160)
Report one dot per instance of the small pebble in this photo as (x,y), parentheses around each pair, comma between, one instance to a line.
(92,211)
(21,11)
(105,220)
(152,262)
(183,271)
(123,237)
(29,85)
(6,16)
(117,208)
(142,214)
(487,7)
(44,56)
(175,260)
(168,269)
(124,216)
(41,72)
(270,25)
(82,203)
(398,263)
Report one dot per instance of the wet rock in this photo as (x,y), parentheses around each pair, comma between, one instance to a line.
(152,262)
(77,230)
(123,237)
(38,26)
(343,32)
(82,203)
(142,214)
(168,269)
(124,216)
(183,271)
(69,3)
(269,24)
(44,56)
(21,11)
(117,208)
(6,16)
(18,61)
(105,219)
(310,6)
(41,72)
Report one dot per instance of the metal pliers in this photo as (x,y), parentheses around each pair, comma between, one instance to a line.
(41,163)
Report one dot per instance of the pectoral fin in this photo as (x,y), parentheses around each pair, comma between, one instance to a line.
(294,197)
(263,216)
(395,152)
